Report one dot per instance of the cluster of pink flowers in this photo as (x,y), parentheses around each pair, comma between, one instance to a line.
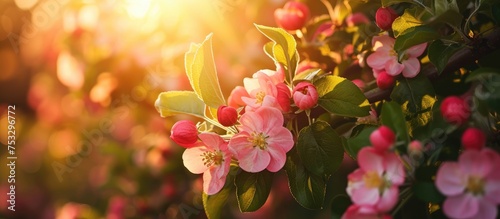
(374,186)
(261,141)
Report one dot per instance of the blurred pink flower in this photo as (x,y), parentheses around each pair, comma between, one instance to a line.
(356,18)
(385,58)
(262,142)
(292,16)
(363,212)
(213,159)
(376,182)
(263,90)
(472,185)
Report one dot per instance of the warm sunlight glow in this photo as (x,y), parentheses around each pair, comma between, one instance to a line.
(137,8)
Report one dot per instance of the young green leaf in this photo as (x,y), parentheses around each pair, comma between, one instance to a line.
(414,36)
(175,102)
(202,74)
(439,53)
(412,17)
(307,188)
(252,189)
(320,147)
(342,97)
(393,117)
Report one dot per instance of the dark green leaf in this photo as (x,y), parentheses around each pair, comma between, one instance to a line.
(488,86)
(393,117)
(439,53)
(342,97)
(414,36)
(340,203)
(361,140)
(307,188)
(320,147)
(427,192)
(252,189)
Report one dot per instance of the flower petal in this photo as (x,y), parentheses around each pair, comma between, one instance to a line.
(388,199)
(411,67)
(393,67)
(192,158)
(212,140)
(365,196)
(383,42)
(211,183)
(487,210)
(450,180)
(278,159)
(239,144)
(280,137)
(370,160)
(377,60)
(255,160)
(473,162)
(394,169)
(461,206)
(416,51)
(270,118)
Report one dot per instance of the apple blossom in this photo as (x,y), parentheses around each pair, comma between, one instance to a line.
(237,93)
(305,95)
(292,16)
(385,58)
(184,133)
(363,212)
(376,182)
(262,142)
(473,138)
(455,110)
(356,19)
(471,185)
(265,88)
(213,159)
(227,116)
(384,18)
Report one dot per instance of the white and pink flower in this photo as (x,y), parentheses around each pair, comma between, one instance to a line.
(262,142)
(213,159)
(266,88)
(386,58)
(472,185)
(376,183)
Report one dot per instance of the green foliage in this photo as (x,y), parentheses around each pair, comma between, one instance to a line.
(359,141)
(488,86)
(320,148)
(414,36)
(176,102)
(307,188)
(283,49)
(427,191)
(342,97)
(439,53)
(393,117)
(202,74)
(252,189)
(412,17)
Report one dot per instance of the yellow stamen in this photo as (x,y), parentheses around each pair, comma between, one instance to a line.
(260,96)
(259,140)
(212,158)
(475,185)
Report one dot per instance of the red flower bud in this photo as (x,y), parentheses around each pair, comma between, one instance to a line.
(305,95)
(227,115)
(454,110)
(283,97)
(184,133)
(383,138)
(292,16)
(384,18)
(385,81)
(473,139)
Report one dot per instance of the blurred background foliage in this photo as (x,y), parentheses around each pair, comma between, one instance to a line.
(84,74)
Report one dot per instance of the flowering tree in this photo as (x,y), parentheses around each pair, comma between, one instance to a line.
(412,97)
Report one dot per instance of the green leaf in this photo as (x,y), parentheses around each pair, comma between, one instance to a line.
(488,86)
(393,117)
(412,17)
(308,75)
(175,102)
(417,97)
(359,141)
(427,192)
(307,188)
(252,189)
(414,36)
(442,6)
(320,147)
(342,97)
(386,3)
(439,53)
(284,49)
(200,69)
(340,203)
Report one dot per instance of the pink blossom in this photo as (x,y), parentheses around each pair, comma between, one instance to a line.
(356,18)
(263,90)
(363,212)
(237,93)
(262,142)
(472,185)
(213,159)
(305,95)
(385,58)
(376,182)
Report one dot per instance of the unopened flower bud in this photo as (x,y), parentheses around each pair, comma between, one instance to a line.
(385,81)
(384,18)
(184,133)
(227,115)
(292,16)
(305,95)
(454,110)
(383,138)
(473,139)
